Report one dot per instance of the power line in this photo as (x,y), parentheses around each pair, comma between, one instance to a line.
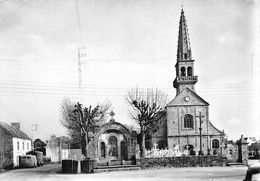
(241,84)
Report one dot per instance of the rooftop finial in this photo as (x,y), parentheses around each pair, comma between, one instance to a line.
(112,120)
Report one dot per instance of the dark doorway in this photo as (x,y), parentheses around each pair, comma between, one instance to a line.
(103,150)
(123,150)
(113,146)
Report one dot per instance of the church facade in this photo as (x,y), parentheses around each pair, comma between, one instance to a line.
(188,123)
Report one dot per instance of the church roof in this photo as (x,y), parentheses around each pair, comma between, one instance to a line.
(14,132)
(194,99)
(216,128)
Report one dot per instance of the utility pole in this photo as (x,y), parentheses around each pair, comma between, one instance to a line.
(200,117)
(33,129)
(80,55)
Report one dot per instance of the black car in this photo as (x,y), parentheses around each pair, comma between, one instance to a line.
(253,172)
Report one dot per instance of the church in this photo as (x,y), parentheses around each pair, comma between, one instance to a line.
(188,124)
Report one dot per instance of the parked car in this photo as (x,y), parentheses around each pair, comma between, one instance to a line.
(39,156)
(253,172)
(27,161)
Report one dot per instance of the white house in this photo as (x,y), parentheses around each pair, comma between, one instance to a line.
(13,143)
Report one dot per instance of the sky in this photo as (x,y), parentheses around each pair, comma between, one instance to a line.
(126,43)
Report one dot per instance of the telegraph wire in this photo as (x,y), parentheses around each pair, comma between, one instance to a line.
(71,85)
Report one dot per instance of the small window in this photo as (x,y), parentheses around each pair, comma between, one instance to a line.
(23,145)
(183,71)
(188,121)
(189,71)
(27,146)
(18,145)
(185,56)
(215,143)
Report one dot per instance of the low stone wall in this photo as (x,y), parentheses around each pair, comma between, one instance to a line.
(184,161)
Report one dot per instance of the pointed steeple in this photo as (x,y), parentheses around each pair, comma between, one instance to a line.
(184,49)
(185,64)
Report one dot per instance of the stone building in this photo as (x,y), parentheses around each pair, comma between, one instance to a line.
(59,148)
(113,141)
(13,143)
(188,113)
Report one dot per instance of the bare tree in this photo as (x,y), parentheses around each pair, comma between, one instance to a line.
(81,122)
(148,109)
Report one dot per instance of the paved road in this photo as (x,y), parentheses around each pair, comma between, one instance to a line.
(52,172)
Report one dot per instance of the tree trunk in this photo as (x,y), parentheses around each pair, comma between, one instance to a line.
(83,145)
(143,146)
(86,148)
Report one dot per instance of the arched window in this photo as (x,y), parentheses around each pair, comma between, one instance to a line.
(215,143)
(189,71)
(183,71)
(123,150)
(188,121)
(103,149)
(112,141)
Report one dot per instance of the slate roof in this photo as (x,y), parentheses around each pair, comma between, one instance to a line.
(13,131)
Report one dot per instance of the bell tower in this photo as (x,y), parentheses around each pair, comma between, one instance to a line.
(185,64)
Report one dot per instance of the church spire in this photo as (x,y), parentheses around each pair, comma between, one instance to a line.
(185,64)
(184,50)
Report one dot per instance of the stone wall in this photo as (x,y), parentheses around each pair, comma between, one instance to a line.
(6,150)
(185,161)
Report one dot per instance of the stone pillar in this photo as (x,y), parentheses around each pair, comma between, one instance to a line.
(242,150)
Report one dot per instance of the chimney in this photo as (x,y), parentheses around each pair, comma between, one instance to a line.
(16,125)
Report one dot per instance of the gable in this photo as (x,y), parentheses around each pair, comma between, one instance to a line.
(187,98)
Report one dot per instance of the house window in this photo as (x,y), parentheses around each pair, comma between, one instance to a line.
(23,145)
(17,145)
(27,146)
(188,121)
(215,143)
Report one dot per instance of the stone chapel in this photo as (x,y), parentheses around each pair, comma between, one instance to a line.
(113,141)
(188,123)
